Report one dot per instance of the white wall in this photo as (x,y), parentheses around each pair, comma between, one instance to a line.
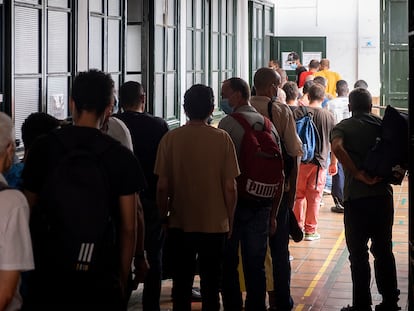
(347,25)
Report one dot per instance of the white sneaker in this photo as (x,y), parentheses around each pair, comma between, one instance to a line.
(312,236)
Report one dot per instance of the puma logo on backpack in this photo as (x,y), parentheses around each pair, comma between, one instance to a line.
(261,162)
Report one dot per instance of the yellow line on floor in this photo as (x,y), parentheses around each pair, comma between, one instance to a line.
(322,270)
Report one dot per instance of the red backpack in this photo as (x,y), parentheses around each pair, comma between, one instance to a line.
(261,162)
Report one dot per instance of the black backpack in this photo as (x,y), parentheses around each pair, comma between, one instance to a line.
(74,227)
(389,156)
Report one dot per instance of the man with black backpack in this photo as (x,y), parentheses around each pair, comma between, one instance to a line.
(369,207)
(260,188)
(83,221)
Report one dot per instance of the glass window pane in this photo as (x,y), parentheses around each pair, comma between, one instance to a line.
(26,101)
(27,45)
(133,53)
(171,100)
(58,3)
(259,23)
(159,10)
(189,12)
(171,49)
(216,86)
(215,15)
(57,97)
(159,95)
(223,50)
(199,50)
(114,8)
(215,52)
(96,6)
(159,49)
(260,53)
(223,15)
(113,45)
(230,50)
(230,16)
(199,14)
(190,50)
(30,1)
(136,78)
(58,41)
(95,43)
(171,12)
(134,11)
(189,80)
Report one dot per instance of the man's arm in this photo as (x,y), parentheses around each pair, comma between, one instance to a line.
(275,209)
(163,197)
(8,285)
(128,233)
(230,197)
(31,198)
(140,261)
(343,156)
(333,165)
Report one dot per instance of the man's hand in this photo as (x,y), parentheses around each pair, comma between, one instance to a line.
(366,179)
(333,169)
(141,268)
(272,226)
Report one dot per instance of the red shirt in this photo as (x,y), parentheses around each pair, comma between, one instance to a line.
(302,77)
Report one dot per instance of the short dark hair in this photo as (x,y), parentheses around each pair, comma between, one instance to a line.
(314,64)
(316,92)
(264,77)
(320,80)
(341,87)
(307,86)
(92,91)
(37,124)
(291,90)
(198,102)
(361,83)
(239,85)
(360,100)
(130,93)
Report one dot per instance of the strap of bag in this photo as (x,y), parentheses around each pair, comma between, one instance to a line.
(269,109)
(3,186)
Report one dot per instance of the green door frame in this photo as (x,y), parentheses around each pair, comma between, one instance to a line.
(394,56)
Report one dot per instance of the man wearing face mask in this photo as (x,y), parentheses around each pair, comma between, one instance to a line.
(294,63)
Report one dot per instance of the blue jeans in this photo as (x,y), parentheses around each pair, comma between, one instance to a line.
(250,231)
(279,248)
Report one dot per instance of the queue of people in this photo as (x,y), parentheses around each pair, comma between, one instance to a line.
(101,196)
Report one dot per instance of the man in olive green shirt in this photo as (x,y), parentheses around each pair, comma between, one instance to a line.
(369,209)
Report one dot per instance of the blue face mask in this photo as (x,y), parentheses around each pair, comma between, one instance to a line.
(225,106)
(293,66)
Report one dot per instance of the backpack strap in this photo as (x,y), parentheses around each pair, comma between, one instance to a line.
(247,126)
(269,109)
(3,186)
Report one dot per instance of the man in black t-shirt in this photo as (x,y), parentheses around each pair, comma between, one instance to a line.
(146,132)
(49,289)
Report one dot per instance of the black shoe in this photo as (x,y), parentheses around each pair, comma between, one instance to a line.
(195,294)
(352,308)
(338,208)
(387,307)
(294,230)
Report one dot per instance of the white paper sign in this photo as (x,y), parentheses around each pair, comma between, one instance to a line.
(308,56)
(285,63)
(57,106)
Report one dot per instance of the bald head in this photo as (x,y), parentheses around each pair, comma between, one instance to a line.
(265,77)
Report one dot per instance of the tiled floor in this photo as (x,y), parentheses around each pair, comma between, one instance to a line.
(321,279)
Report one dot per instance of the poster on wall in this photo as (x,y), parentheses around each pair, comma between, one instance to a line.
(57,107)
(285,62)
(308,56)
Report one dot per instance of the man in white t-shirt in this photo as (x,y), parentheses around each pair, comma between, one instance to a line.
(339,108)
(15,243)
